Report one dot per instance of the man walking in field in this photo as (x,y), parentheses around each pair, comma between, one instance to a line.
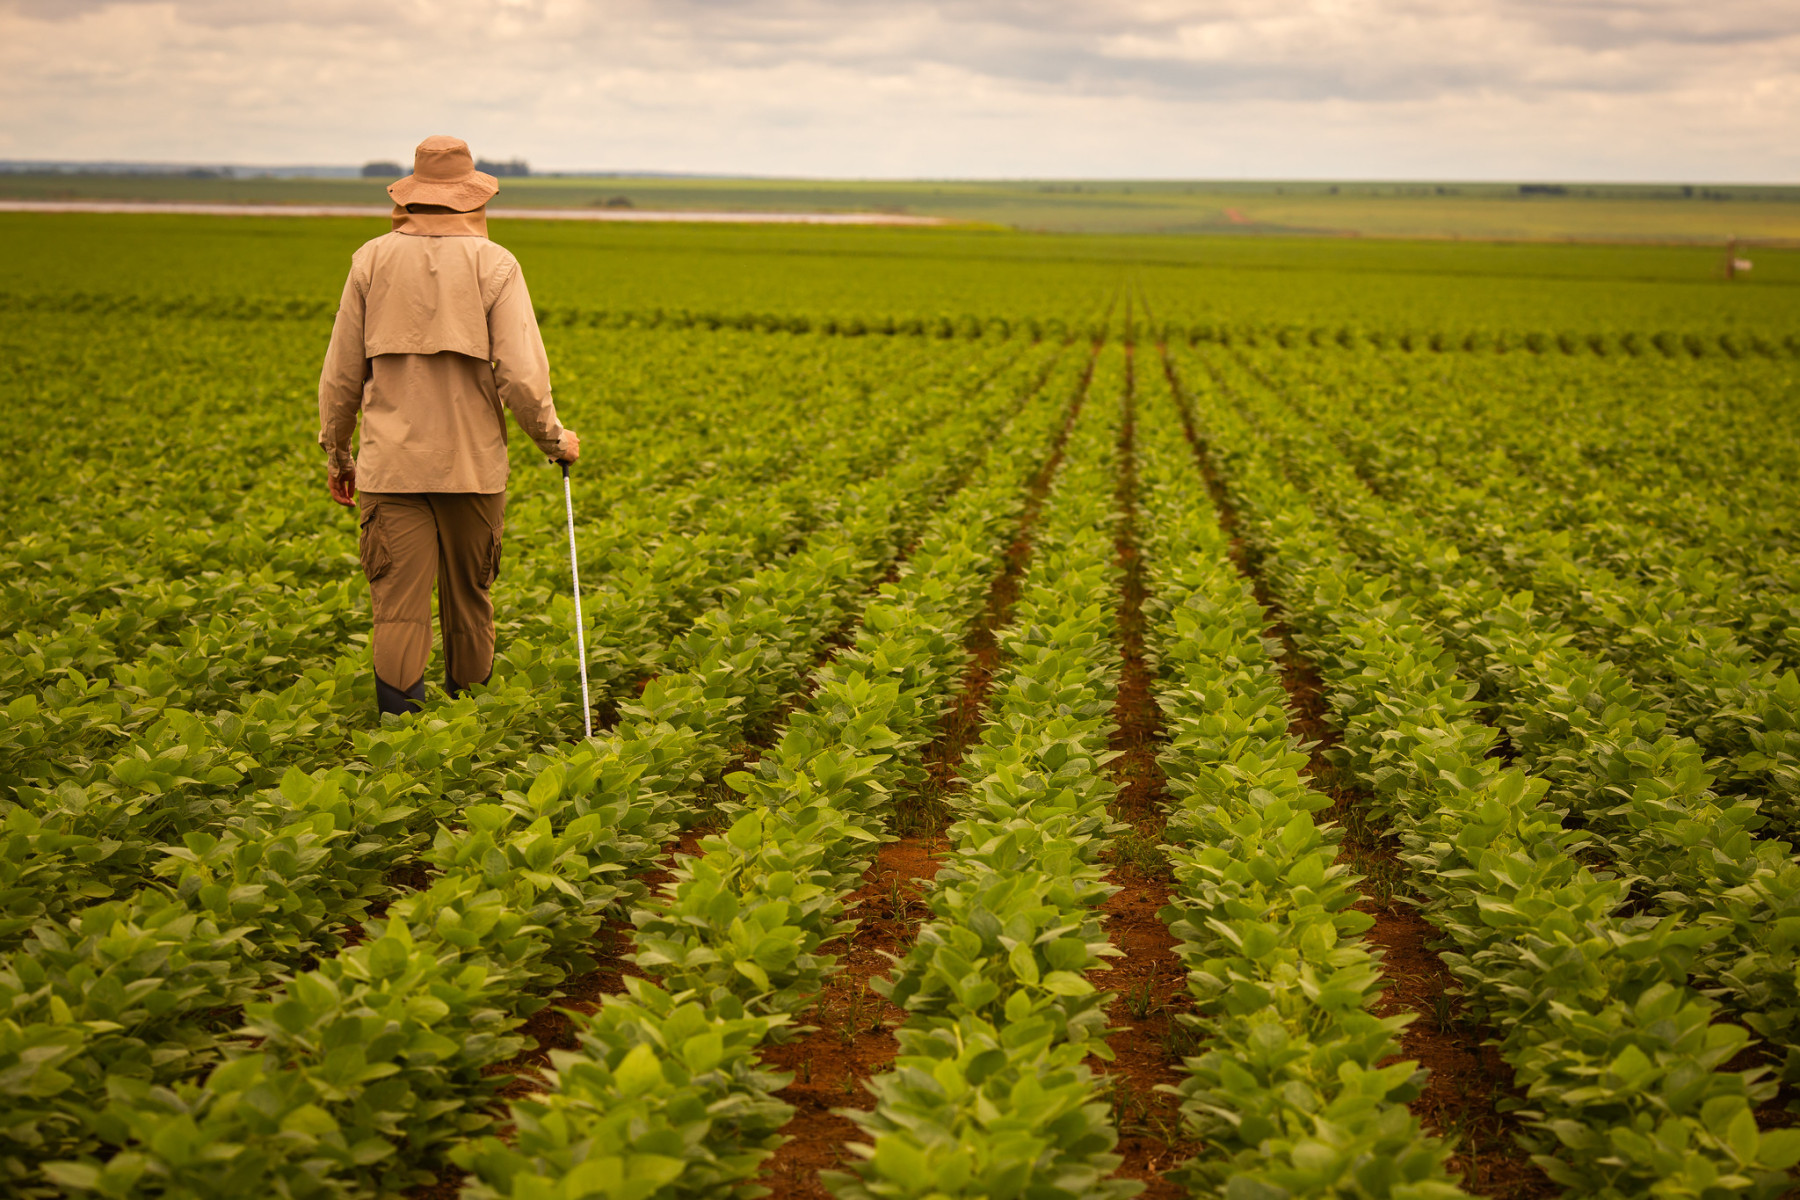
(435,338)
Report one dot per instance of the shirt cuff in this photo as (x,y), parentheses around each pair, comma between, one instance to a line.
(554,444)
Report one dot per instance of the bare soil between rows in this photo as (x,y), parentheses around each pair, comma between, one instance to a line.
(853,1037)
(1148,1039)
(1467,1076)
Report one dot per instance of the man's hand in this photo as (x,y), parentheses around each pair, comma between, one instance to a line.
(568,447)
(343,487)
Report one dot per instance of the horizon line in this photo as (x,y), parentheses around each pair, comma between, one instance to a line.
(20,166)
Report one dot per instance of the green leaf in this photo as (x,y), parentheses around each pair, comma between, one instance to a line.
(1741,1136)
(638,1071)
(746,833)
(898,1160)
(597,1175)
(310,1119)
(1632,1065)
(1779,1149)
(80,1176)
(703,1053)
(547,788)
(1067,983)
(655,1169)
(387,957)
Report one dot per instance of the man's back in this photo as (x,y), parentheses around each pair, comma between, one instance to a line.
(428,290)
(435,338)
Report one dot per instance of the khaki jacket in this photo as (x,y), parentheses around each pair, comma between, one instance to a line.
(435,337)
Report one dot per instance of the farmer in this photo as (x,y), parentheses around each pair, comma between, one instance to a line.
(434,334)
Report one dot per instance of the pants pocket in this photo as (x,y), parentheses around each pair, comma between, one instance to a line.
(492,513)
(491,571)
(372,546)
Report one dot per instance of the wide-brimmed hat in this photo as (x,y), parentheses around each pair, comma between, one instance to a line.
(444,173)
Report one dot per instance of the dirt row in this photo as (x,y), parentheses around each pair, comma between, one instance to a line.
(853,1039)
(1150,1040)
(1468,1078)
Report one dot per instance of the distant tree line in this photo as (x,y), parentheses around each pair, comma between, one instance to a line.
(516,168)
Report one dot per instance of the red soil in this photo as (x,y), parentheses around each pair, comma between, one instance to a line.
(1148,978)
(853,1040)
(1467,1077)
(1148,1040)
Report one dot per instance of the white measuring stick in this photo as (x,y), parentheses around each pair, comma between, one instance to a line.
(587,711)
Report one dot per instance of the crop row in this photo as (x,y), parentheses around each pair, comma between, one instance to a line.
(1661,343)
(169,773)
(1643,794)
(1622,1061)
(1625,466)
(942,327)
(1582,431)
(664,1088)
(528,857)
(1658,629)
(85,629)
(556,903)
(1296,1090)
(989,1095)
(309,309)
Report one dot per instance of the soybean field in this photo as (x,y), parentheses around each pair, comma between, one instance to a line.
(1075,717)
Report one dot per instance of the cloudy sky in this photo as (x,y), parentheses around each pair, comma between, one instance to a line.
(1432,89)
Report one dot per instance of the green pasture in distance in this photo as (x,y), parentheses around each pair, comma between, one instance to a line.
(1482,211)
(1452,286)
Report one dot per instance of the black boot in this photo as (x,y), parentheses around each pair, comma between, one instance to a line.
(393,700)
(456,689)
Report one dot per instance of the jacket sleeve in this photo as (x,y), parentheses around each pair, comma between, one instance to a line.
(521,367)
(341,380)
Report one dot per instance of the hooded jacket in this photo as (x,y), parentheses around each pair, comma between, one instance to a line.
(435,338)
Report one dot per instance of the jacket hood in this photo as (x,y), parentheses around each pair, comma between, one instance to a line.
(454,224)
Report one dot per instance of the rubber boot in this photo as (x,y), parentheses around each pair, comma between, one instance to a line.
(456,689)
(393,700)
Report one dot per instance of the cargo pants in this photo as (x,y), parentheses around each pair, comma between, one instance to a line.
(410,541)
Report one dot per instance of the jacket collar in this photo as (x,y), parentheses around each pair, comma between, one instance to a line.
(467,224)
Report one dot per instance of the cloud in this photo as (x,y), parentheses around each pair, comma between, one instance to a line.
(1482,88)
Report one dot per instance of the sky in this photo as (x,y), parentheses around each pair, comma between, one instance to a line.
(1602,90)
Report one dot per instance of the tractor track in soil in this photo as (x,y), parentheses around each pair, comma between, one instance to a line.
(853,1038)
(1467,1076)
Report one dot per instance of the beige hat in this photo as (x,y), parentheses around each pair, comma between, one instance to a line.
(444,173)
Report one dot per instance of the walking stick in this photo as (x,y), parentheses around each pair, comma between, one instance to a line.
(587,712)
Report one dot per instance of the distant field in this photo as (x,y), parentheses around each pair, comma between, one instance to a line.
(1393,285)
(1494,212)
